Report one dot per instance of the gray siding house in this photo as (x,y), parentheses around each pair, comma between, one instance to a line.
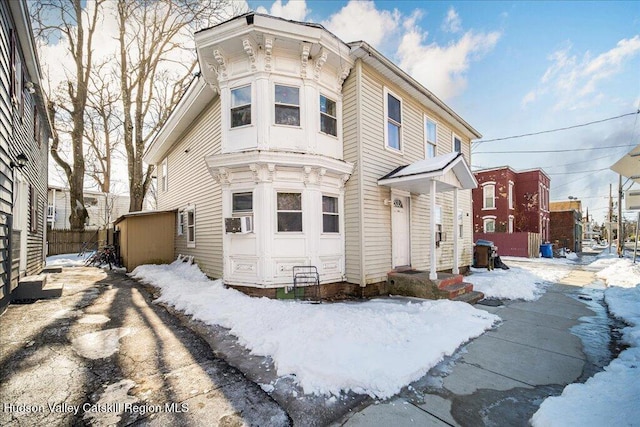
(294,148)
(24,135)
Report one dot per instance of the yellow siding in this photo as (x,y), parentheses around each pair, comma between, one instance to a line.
(350,114)
(190,183)
(377,161)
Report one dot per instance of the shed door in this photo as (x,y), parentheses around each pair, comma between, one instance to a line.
(401,243)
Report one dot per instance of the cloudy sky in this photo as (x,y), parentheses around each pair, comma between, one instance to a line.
(511,68)
(508,68)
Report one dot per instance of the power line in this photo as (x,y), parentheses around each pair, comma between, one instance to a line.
(572,173)
(558,129)
(554,151)
(567,183)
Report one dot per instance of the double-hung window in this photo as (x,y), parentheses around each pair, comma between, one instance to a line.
(430,133)
(289,209)
(287,105)
(488,196)
(489,225)
(241,106)
(457,144)
(191,227)
(242,204)
(510,195)
(181,227)
(164,179)
(330,215)
(328,116)
(394,122)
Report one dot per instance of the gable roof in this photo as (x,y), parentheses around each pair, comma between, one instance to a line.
(448,170)
(362,50)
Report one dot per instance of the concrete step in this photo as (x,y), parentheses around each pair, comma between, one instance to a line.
(36,287)
(51,269)
(456,289)
(469,297)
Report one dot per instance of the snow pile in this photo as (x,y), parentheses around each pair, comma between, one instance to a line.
(508,284)
(526,282)
(610,397)
(373,347)
(622,272)
(68,260)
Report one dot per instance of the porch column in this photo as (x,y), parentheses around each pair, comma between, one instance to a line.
(456,230)
(432,227)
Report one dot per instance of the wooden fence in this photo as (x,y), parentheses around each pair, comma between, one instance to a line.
(70,241)
(514,244)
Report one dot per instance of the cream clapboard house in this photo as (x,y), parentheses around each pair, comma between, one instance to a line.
(295,148)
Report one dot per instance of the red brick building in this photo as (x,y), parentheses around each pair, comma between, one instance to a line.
(566,224)
(509,201)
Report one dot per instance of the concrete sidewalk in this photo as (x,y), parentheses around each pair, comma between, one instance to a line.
(503,376)
(103,354)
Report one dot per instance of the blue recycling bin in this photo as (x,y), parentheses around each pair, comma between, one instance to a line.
(546,250)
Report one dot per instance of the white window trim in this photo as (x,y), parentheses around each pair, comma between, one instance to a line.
(191,243)
(180,225)
(510,194)
(484,186)
(164,175)
(331,233)
(386,93)
(453,143)
(426,138)
(487,218)
(511,224)
(289,233)
(236,214)
(320,113)
(299,105)
(231,107)
(460,224)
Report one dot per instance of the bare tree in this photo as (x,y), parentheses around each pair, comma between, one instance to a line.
(151,35)
(76,25)
(103,128)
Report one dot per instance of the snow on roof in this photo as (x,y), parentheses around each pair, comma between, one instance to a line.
(432,164)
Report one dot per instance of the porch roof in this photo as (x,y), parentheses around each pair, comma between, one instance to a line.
(629,165)
(448,170)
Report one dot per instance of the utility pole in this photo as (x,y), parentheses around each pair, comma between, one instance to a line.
(620,236)
(609,236)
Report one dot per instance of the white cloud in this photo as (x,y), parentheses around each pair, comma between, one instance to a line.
(295,10)
(360,20)
(574,82)
(452,22)
(442,69)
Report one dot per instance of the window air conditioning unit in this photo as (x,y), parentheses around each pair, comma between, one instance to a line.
(242,224)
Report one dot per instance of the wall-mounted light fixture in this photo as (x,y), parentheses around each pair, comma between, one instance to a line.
(31,88)
(21,161)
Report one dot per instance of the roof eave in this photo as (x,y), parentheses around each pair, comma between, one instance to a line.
(194,100)
(362,50)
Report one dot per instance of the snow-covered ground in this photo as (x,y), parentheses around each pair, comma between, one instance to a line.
(610,397)
(375,347)
(527,281)
(378,347)
(68,260)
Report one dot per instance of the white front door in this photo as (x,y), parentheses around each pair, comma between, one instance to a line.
(401,243)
